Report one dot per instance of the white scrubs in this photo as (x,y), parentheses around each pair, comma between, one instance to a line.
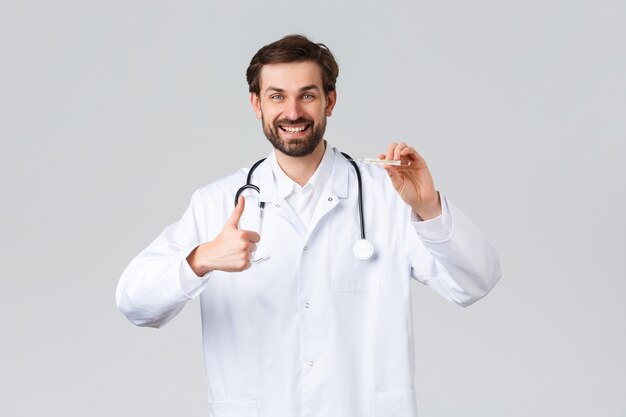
(311,330)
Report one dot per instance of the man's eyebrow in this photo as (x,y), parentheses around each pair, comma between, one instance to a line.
(310,87)
(276,89)
(280,90)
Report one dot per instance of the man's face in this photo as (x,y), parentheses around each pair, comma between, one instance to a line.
(293,106)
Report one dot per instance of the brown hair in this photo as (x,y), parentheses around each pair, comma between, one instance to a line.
(293,48)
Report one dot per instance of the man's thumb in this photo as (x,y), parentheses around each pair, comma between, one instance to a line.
(233,220)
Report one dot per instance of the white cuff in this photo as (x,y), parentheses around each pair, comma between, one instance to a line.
(438,229)
(191,284)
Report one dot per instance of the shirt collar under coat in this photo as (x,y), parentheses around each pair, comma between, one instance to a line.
(333,166)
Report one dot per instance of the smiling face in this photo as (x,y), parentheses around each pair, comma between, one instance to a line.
(293,107)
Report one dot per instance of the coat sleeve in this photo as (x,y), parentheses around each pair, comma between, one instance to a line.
(459,262)
(158,282)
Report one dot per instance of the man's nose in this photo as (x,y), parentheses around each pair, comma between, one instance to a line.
(292,110)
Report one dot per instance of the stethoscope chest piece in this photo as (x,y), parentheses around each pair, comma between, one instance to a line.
(363,249)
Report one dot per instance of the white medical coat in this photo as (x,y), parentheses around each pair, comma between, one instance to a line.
(311,331)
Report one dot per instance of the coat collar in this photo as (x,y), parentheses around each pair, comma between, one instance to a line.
(338,185)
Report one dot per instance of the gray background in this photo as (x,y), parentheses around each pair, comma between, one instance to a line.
(113,112)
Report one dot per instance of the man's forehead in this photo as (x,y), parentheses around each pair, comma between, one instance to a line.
(291,76)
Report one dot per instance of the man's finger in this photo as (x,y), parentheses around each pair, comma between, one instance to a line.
(233,220)
(399,148)
(410,153)
(390,148)
(250,236)
(417,161)
(391,170)
(394,176)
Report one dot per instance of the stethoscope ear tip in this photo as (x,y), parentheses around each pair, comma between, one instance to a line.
(363,249)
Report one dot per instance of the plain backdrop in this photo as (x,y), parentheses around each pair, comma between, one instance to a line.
(113,112)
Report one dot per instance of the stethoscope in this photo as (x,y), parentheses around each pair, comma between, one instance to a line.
(363,248)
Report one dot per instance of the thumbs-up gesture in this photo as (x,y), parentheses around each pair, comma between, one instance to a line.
(230,251)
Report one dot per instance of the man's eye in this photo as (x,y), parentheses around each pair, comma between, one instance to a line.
(307,96)
(276,97)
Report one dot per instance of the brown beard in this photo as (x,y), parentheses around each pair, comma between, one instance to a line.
(295,147)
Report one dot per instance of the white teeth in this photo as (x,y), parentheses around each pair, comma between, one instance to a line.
(294,129)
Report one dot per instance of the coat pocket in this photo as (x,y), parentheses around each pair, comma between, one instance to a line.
(349,274)
(236,408)
(395,404)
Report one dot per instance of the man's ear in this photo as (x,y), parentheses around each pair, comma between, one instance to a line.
(256,105)
(331,100)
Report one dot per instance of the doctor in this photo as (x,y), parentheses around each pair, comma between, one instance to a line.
(293,323)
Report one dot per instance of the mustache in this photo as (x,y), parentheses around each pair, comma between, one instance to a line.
(298,121)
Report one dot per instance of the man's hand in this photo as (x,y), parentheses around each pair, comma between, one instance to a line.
(230,251)
(413,181)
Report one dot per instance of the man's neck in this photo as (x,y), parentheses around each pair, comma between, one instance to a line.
(301,169)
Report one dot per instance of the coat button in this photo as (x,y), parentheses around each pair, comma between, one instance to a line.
(305,248)
(311,363)
(307,305)
(277,205)
(330,199)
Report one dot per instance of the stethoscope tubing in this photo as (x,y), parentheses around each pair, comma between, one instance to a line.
(363,249)
(360,189)
(249,184)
